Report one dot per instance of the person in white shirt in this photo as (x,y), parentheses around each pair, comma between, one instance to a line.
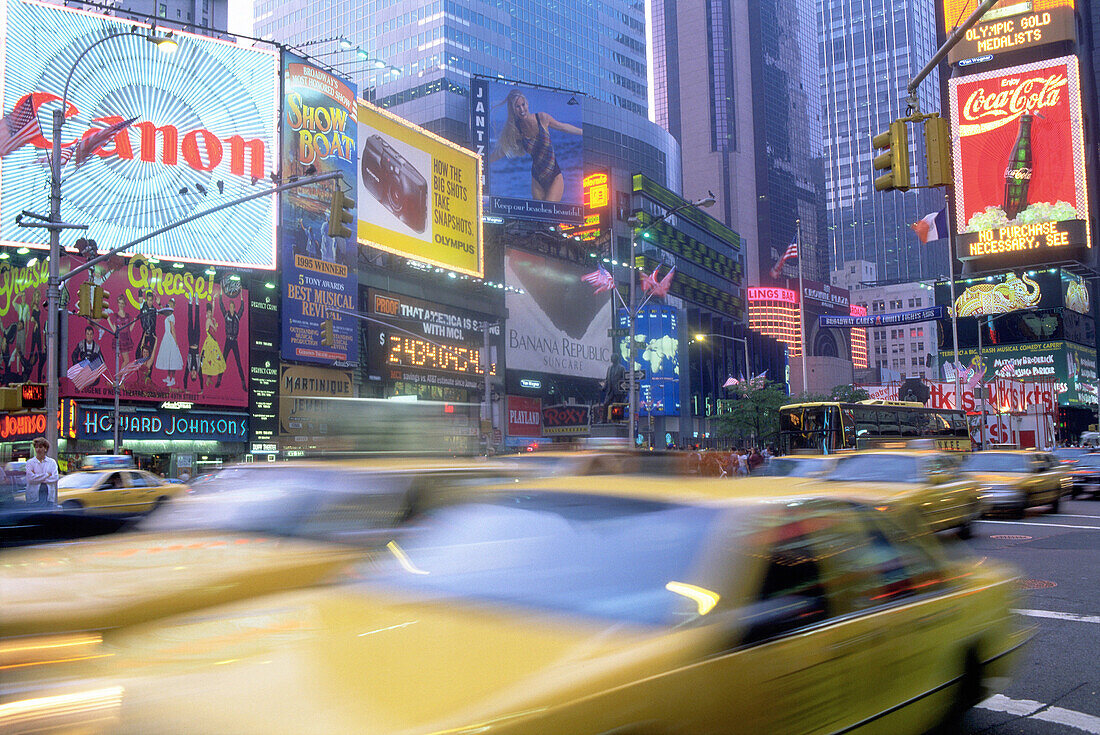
(42,475)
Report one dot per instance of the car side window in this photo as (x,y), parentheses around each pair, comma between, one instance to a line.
(792,595)
(137,479)
(904,568)
(151,480)
(113,482)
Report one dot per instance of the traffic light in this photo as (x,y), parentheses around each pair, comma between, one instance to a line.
(616,413)
(101,302)
(937,151)
(341,216)
(896,158)
(327,337)
(85,294)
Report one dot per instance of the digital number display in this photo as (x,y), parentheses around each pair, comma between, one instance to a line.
(411,352)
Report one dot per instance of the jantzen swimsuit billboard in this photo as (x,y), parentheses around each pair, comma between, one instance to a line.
(318,271)
(419,194)
(533,143)
(203,133)
(182,333)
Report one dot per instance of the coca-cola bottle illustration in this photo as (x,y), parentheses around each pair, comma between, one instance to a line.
(1018,171)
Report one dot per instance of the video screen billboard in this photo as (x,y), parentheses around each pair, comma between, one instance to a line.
(657,334)
(203,132)
(419,194)
(1010,25)
(182,335)
(557,324)
(1021,190)
(533,143)
(318,271)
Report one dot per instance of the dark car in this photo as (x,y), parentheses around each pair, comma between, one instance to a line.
(1085,474)
(1069,455)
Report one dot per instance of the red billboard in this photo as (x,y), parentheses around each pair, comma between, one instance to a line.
(524,416)
(1020,179)
(181,334)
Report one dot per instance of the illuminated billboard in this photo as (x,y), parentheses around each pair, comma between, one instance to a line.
(318,271)
(419,195)
(533,143)
(556,324)
(1021,192)
(204,134)
(180,335)
(1010,25)
(656,331)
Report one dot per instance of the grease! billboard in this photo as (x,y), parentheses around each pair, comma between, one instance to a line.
(1021,189)
(182,335)
(318,271)
(204,134)
(419,194)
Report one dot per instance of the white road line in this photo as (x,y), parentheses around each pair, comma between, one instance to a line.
(1071,515)
(1039,711)
(1059,616)
(1028,523)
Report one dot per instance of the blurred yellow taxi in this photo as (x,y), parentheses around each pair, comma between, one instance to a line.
(1015,480)
(116,492)
(579,605)
(927,481)
(252,530)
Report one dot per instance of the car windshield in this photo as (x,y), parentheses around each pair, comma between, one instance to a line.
(801,467)
(1071,453)
(595,556)
(79,480)
(1089,460)
(996,462)
(876,468)
(278,501)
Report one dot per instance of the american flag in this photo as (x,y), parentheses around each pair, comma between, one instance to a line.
(790,254)
(92,142)
(599,279)
(130,369)
(18,127)
(85,372)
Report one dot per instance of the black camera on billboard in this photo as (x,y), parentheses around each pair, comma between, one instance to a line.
(394,182)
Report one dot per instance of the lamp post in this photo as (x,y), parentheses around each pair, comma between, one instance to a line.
(744,343)
(632,311)
(165,43)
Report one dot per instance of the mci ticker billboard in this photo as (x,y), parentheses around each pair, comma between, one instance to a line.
(1021,191)
(532,140)
(419,194)
(318,271)
(203,130)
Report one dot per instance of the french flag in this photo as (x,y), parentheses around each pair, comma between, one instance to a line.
(932,226)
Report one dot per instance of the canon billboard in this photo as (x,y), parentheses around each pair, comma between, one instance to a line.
(203,132)
(1021,193)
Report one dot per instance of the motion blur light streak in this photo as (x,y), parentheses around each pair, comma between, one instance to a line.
(389,627)
(62,711)
(403,559)
(50,649)
(705,599)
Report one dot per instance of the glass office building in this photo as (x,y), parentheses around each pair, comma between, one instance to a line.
(869,51)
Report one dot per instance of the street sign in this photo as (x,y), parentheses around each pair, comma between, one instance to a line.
(618,332)
(624,386)
(639,375)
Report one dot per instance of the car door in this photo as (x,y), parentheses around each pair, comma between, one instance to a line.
(952,496)
(144,488)
(108,497)
(1054,474)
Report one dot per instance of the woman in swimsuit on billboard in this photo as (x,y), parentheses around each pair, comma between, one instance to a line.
(528,133)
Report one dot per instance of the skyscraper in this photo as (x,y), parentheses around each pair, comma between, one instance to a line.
(197,16)
(746,112)
(869,51)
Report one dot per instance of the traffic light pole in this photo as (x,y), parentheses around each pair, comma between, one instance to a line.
(954,38)
(55,279)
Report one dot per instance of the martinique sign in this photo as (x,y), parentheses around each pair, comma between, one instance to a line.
(202,131)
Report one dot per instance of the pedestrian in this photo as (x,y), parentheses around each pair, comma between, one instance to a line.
(42,475)
(755,459)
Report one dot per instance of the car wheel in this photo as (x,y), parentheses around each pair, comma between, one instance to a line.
(72,505)
(966,530)
(967,694)
(1018,511)
(1054,506)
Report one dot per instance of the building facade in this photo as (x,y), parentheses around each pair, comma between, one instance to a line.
(208,17)
(869,50)
(757,147)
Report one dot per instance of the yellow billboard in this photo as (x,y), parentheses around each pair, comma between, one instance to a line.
(419,194)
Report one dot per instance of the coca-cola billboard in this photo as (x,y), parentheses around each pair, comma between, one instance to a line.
(1021,191)
(203,133)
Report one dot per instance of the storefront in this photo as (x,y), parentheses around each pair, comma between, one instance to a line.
(169,441)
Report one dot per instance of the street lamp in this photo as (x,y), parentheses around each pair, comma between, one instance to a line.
(744,343)
(166,43)
(638,231)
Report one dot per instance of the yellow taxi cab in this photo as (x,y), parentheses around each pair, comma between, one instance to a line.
(926,480)
(251,530)
(1014,480)
(574,605)
(115,491)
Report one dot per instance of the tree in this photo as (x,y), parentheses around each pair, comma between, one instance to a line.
(849,394)
(753,414)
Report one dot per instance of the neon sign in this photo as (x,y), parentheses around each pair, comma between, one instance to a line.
(411,352)
(768,293)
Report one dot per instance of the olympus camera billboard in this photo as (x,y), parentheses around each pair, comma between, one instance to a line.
(419,195)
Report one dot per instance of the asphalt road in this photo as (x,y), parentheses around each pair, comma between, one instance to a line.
(1057,686)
